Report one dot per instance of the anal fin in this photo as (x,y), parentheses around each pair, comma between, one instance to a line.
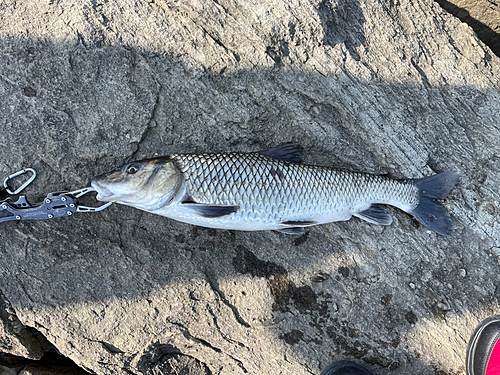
(296,231)
(296,227)
(375,215)
(208,210)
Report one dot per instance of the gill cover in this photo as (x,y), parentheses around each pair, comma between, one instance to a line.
(146,184)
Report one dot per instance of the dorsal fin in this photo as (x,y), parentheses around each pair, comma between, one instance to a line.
(290,152)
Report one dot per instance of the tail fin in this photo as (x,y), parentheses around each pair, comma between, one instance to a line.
(429,211)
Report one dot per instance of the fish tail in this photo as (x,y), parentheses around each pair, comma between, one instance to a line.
(430,211)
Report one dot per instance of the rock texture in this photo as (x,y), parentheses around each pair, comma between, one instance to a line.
(482,15)
(15,338)
(402,88)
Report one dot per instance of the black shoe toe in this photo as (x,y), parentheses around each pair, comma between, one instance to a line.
(345,368)
(481,344)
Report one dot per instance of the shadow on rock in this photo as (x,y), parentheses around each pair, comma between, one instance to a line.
(343,22)
(121,283)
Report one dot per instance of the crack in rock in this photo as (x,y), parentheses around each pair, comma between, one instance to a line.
(189,336)
(152,119)
(215,287)
(224,336)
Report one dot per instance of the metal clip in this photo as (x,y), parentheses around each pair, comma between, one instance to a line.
(80,192)
(12,176)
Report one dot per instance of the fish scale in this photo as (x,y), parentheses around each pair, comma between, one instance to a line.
(303,193)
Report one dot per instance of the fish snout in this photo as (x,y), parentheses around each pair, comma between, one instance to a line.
(103,193)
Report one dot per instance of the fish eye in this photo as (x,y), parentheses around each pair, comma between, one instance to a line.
(133,168)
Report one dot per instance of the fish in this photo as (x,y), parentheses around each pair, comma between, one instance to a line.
(270,190)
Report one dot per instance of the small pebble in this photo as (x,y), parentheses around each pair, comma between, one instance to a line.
(319,277)
(463,272)
(443,306)
(413,286)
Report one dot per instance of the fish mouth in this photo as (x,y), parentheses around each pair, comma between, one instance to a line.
(103,193)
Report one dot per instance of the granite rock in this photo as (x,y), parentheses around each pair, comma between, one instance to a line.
(400,88)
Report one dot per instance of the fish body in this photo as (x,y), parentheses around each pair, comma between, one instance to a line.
(268,190)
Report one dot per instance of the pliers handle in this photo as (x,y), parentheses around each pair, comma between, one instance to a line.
(57,204)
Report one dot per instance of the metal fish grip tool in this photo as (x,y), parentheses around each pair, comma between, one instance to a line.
(56,204)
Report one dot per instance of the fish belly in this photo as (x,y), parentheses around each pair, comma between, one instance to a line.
(249,221)
(233,221)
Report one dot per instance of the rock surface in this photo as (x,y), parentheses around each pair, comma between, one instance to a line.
(15,338)
(482,15)
(401,88)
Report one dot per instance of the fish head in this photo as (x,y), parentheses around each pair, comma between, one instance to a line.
(147,184)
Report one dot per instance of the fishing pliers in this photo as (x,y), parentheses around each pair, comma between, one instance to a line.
(56,204)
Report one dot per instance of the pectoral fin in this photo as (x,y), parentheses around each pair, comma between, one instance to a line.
(210,211)
(375,215)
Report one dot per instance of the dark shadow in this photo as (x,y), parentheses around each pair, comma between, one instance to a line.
(487,35)
(342,22)
(51,362)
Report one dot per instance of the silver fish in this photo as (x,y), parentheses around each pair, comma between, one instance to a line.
(270,190)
